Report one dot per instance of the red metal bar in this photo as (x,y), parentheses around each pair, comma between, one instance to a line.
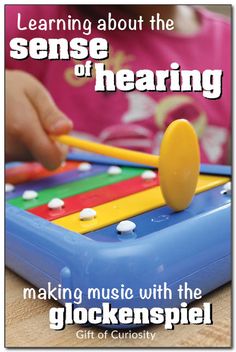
(96,197)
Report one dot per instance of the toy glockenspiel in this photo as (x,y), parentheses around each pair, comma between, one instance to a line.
(90,224)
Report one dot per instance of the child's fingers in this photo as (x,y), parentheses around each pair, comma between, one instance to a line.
(31,116)
(42,148)
(16,151)
(52,118)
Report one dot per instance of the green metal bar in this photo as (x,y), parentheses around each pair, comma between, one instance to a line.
(75,187)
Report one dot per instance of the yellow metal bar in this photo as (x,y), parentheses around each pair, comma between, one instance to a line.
(124,208)
(114,152)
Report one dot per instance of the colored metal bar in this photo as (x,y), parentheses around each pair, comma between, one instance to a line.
(163,217)
(34,171)
(101,159)
(222,170)
(96,197)
(55,180)
(129,206)
(12,164)
(76,187)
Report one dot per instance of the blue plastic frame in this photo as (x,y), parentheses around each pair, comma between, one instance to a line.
(192,246)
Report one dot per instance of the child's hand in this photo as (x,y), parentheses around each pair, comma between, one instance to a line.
(31,115)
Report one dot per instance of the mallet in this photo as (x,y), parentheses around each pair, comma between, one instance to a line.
(178,163)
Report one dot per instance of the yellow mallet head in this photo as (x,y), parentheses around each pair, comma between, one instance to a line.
(179,164)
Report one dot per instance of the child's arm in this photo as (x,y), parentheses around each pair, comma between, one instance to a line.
(31,115)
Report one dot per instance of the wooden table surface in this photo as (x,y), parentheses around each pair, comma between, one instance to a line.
(27,325)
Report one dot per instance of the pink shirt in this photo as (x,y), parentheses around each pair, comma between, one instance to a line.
(136,119)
